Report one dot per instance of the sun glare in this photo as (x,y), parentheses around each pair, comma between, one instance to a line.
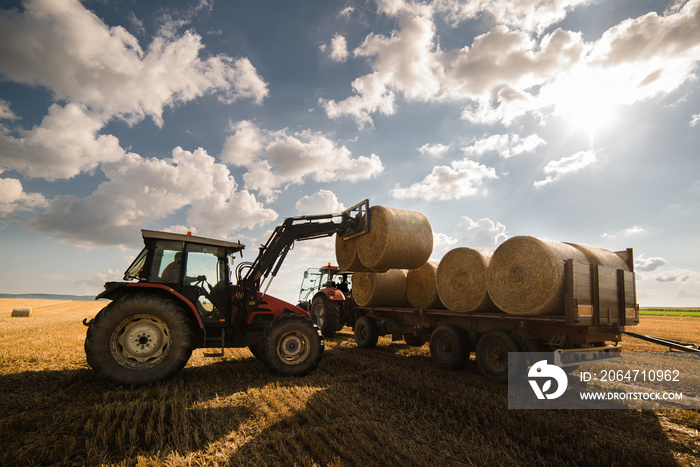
(588,105)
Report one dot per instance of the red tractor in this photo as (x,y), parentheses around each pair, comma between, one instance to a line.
(326,294)
(177,296)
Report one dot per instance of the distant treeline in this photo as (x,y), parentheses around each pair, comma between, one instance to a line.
(46,296)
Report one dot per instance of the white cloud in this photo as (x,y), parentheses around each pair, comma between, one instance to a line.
(5,112)
(441,244)
(140,191)
(695,119)
(13,198)
(628,232)
(402,63)
(459,180)
(434,150)
(339,48)
(507,72)
(321,202)
(66,143)
(648,264)
(483,233)
(566,165)
(275,159)
(68,49)
(529,15)
(507,145)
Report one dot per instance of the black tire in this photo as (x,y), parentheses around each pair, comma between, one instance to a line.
(413,340)
(449,347)
(326,314)
(291,345)
(366,332)
(492,354)
(139,339)
(257,352)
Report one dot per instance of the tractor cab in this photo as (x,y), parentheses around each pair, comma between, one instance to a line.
(198,268)
(326,277)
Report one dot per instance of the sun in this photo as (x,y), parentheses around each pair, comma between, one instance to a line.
(587,103)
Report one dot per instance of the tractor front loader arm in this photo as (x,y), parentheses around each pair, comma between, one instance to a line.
(350,223)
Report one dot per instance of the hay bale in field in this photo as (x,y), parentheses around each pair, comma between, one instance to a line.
(380,288)
(421,287)
(22,312)
(526,275)
(397,239)
(461,279)
(346,254)
(601,256)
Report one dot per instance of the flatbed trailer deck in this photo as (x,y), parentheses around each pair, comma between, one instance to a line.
(598,303)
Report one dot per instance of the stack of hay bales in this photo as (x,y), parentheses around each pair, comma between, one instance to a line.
(398,240)
(523,276)
(461,280)
(526,274)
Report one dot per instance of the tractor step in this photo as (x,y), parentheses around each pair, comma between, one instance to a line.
(219,340)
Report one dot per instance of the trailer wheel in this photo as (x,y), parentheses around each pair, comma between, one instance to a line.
(492,354)
(139,339)
(366,332)
(326,314)
(449,347)
(291,345)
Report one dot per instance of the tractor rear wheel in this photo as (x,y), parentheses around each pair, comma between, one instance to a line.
(291,345)
(139,339)
(326,314)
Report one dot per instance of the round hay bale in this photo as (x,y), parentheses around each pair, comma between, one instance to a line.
(380,288)
(526,275)
(397,239)
(346,254)
(461,279)
(22,312)
(601,256)
(421,287)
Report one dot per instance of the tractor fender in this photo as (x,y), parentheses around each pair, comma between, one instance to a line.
(270,305)
(333,294)
(116,290)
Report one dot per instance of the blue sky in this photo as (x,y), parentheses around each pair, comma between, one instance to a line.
(571,120)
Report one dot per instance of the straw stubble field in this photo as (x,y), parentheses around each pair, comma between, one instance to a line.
(385,406)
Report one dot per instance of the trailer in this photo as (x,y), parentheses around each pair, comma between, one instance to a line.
(598,304)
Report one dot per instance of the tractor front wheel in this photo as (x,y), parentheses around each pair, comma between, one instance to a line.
(326,314)
(292,345)
(139,339)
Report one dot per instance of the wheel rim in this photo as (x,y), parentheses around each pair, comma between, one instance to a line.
(140,341)
(496,357)
(362,332)
(445,348)
(293,348)
(320,314)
